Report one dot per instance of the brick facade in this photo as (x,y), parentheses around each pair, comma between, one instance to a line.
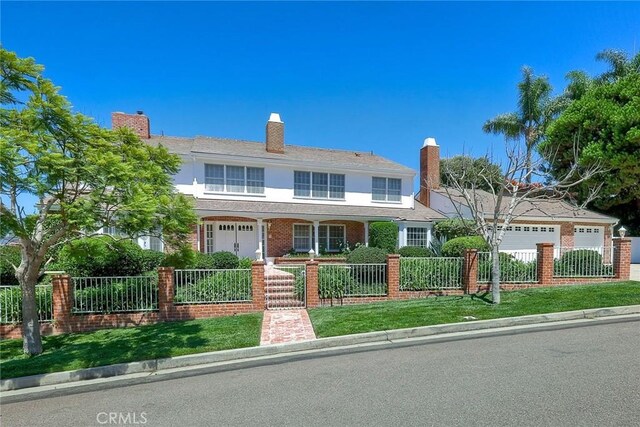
(429,172)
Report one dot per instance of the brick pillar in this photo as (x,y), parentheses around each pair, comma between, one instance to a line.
(62,302)
(313,296)
(393,276)
(470,271)
(545,263)
(166,291)
(257,285)
(622,258)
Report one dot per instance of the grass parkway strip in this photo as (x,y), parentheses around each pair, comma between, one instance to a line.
(105,347)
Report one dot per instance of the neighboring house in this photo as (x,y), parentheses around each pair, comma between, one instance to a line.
(536,221)
(270,198)
(275,197)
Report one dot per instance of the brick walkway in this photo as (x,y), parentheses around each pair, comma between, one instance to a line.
(286,326)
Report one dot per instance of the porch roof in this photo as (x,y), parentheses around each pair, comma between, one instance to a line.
(258,209)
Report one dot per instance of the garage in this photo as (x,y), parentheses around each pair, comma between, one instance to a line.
(525,237)
(588,237)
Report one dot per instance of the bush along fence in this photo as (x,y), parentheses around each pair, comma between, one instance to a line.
(84,304)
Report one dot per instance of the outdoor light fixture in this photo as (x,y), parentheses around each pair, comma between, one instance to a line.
(311,254)
(622,232)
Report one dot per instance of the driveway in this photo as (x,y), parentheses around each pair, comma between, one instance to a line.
(635,272)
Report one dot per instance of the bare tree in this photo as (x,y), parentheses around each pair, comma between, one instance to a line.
(508,199)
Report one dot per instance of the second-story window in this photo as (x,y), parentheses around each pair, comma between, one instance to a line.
(234,179)
(318,185)
(386,189)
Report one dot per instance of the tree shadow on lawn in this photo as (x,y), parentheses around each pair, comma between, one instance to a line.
(104,347)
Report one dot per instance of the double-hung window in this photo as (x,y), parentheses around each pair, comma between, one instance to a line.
(386,189)
(234,179)
(331,238)
(418,236)
(318,185)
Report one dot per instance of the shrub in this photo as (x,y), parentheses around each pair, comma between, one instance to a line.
(383,235)
(332,281)
(151,260)
(429,274)
(222,286)
(118,295)
(9,255)
(415,252)
(245,263)
(224,260)
(102,256)
(12,304)
(455,247)
(455,227)
(185,257)
(581,262)
(367,255)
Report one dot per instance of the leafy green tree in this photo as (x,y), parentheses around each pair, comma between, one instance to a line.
(84,177)
(474,171)
(536,109)
(605,123)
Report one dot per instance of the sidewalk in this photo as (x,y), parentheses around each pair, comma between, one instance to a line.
(286,326)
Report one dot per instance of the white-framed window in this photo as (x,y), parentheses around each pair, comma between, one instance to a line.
(386,189)
(233,179)
(418,236)
(318,185)
(209,234)
(156,244)
(331,237)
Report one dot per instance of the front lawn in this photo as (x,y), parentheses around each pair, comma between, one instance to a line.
(353,319)
(109,346)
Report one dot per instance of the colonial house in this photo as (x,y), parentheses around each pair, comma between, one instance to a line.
(270,198)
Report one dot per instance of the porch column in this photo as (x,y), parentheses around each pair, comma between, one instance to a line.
(260,237)
(366,233)
(198,236)
(316,235)
(402,234)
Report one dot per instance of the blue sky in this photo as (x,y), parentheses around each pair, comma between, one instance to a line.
(362,76)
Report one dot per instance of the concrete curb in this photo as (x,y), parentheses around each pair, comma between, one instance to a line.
(242,354)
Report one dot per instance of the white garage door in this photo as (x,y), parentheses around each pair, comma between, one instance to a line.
(588,237)
(525,237)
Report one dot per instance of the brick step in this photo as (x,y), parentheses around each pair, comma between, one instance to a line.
(279,282)
(279,289)
(285,303)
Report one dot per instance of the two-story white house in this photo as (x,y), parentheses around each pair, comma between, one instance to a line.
(274,197)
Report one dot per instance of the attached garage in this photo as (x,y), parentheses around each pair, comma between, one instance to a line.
(526,236)
(588,237)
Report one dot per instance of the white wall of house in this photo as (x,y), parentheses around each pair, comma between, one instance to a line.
(279,183)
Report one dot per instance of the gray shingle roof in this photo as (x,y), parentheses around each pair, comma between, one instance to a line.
(292,153)
(217,207)
(553,209)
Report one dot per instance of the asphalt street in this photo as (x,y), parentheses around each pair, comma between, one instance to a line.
(578,376)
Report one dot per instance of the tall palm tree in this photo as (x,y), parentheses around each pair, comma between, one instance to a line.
(536,109)
(620,64)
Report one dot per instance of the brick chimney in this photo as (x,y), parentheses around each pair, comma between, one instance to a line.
(429,170)
(275,134)
(138,123)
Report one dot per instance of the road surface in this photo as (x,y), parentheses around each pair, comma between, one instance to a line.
(579,376)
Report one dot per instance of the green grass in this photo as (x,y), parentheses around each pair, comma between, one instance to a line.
(110,346)
(353,319)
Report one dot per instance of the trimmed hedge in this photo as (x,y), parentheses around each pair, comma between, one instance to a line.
(223,286)
(581,262)
(103,256)
(367,255)
(415,252)
(384,235)
(455,247)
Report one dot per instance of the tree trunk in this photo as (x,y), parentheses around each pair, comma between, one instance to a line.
(27,275)
(495,275)
(528,165)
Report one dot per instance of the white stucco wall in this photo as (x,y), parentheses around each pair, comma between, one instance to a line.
(279,184)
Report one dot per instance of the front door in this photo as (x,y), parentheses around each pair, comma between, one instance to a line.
(239,238)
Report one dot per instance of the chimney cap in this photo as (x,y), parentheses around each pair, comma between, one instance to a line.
(431,142)
(140,112)
(275,117)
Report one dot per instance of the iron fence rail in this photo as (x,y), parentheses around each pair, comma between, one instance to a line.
(212,286)
(352,280)
(115,294)
(515,267)
(418,274)
(11,303)
(583,262)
